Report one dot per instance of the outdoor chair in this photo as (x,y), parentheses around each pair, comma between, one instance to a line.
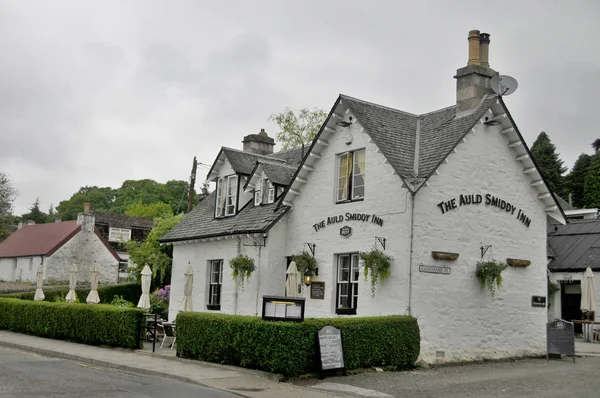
(169,331)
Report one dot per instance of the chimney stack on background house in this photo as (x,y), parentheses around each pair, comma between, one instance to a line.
(260,144)
(473,80)
(86,219)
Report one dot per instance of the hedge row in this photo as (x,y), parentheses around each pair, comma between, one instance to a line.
(130,292)
(89,324)
(291,348)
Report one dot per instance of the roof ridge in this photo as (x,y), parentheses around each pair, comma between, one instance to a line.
(252,154)
(438,110)
(379,105)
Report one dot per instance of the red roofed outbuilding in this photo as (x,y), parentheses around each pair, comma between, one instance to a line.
(57,246)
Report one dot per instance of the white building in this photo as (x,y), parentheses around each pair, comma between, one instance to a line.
(57,246)
(459,179)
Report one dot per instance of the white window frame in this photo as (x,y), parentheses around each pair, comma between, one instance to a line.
(219,202)
(346,192)
(215,282)
(257,198)
(231,195)
(112,231)
(349,279)
(271,197)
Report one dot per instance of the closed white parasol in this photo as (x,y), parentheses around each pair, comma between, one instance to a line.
(188,285)
(39,294)
(291,283)
(93,297)
(72,296)
(146,279)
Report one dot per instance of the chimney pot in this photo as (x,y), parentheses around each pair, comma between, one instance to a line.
(473,47)
(484,48)
(86,207)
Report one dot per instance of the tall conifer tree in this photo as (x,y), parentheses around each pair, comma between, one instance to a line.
(575,180)
(550,164)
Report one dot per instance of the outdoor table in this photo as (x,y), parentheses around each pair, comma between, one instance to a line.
(587,327)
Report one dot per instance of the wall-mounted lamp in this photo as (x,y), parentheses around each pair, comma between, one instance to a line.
(307,278)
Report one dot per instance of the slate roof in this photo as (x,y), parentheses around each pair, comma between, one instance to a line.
(201,221)
(124,221)
(395,133)
(575,245)
(277,173)
(38,239)
(244,162)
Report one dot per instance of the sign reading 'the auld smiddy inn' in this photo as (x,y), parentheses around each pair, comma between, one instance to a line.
(372,218)
(471,199)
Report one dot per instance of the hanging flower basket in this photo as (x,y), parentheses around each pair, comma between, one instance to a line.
(444,256)
(489,274)
(305,262)
(515,262)
(377,267)
(242,268)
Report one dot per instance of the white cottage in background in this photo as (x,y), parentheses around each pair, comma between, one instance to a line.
(459,179)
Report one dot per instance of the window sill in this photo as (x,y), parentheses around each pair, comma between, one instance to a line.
(345,311)
(213,307)
(349,201)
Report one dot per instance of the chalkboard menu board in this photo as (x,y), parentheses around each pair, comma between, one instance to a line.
(560,338)
(330,348)
(317,290)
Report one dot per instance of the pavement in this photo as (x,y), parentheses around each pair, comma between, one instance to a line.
(584,348)
(239,381)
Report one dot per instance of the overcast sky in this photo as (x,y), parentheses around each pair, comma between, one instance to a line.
(94,93)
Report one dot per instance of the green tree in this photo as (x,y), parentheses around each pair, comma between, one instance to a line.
(150,252)
(8,195)
(101,199)
(35,214)
(591,187)
(575,180)
(298,128)
(550,164)
(154,210)
(596,145)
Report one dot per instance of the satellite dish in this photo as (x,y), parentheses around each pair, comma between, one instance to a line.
(504,85)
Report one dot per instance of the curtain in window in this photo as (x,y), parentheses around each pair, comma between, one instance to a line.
(358,177)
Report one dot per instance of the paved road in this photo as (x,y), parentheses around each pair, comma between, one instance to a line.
(523,378)
(24,374)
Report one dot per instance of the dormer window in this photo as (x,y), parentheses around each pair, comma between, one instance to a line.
(257,198)
(226,196)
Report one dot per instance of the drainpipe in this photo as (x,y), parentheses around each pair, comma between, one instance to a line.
(412,228)
(258,285)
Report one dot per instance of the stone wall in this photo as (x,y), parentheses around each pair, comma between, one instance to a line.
(25,271)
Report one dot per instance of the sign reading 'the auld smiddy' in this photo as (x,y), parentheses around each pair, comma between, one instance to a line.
(471,199)
(372,218)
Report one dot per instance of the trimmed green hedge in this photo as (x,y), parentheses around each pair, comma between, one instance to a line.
(290,348)
(89,324)
(130,292)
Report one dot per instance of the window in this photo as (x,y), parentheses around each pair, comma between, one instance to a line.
(226,196)
(30,264)
(351,176)
(347,284)
(119,234)
(215,280)
(257,198)
(271,197)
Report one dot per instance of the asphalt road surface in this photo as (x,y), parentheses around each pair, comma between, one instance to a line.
(524,378)
(24,374)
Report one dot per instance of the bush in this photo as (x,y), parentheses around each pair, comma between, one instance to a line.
(89,324)
(119,301)
(129,292)
(290,348)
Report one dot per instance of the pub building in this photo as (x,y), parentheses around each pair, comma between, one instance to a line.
(457,180)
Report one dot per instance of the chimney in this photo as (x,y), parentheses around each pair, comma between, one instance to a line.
(473,80)
(260,144)
(87,221)
(86,207)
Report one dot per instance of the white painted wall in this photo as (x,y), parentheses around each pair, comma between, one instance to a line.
(458,320)
(26,270)
(383,197)
(83,249)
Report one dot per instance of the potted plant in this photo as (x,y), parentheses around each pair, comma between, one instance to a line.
(377,267)
(305,263)
(489,274)
(242,268)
